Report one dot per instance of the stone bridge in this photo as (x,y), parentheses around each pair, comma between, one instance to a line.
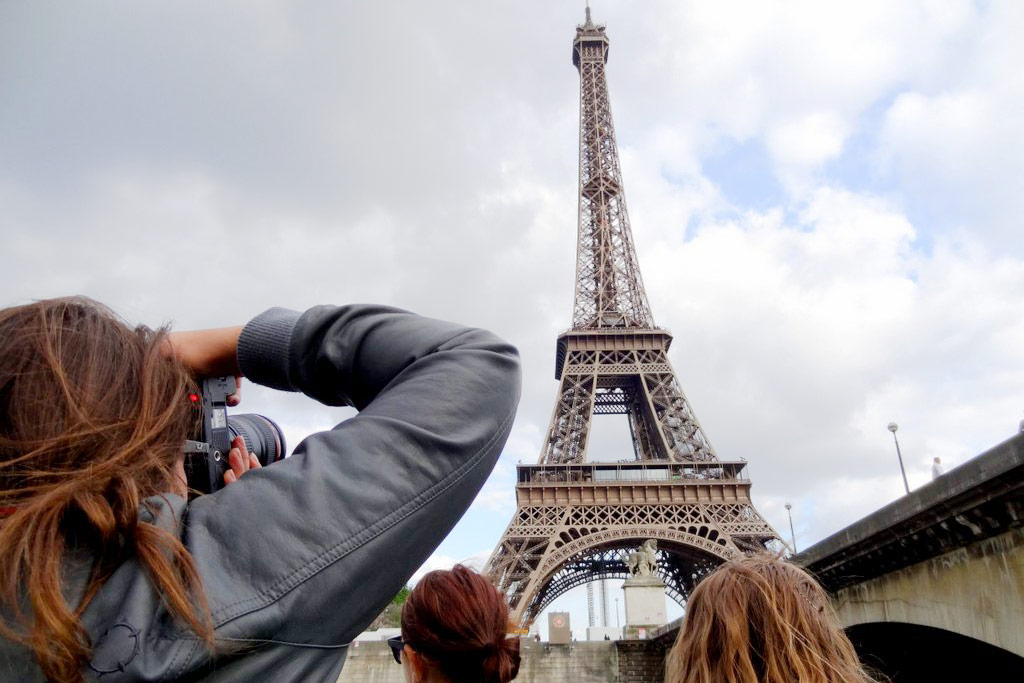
(931,587)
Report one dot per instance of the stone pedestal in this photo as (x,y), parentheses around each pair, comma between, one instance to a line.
(645,605)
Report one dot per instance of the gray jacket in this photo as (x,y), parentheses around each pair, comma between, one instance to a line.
(297,558)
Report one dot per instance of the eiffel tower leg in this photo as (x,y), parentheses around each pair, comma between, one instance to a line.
(570,422)
(679,431)
(526,541)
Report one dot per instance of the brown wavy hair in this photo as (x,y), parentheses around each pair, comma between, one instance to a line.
(93,415)
(761,620)
(458,620)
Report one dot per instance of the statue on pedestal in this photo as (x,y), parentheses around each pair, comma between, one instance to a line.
(644,561)
(644,591)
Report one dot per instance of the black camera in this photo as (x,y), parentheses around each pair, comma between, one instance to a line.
(206,456)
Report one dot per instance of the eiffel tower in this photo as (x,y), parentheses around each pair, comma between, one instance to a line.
(577,520)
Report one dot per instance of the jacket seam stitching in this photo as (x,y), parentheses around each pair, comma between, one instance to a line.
(179,669)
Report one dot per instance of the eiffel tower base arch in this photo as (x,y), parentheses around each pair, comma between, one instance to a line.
(549,549)
(684,558)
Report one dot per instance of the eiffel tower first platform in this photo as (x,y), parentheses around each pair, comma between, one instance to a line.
(576,521)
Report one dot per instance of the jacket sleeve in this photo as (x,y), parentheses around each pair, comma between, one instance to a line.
(310,549)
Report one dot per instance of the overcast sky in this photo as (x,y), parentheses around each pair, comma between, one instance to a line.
(825,199)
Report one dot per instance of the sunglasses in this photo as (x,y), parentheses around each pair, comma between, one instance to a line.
(396,644)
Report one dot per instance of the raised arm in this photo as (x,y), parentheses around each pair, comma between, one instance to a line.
(310,549)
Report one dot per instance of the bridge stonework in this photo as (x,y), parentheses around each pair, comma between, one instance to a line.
(641,661)
(977,591)
(933,583)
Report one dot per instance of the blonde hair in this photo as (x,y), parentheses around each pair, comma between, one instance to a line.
(761,620)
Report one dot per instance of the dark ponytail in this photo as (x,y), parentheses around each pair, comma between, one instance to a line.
(459,620)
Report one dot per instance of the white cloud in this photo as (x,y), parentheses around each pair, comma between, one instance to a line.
(476,562)
(498,499)
(803,339)
(808,141)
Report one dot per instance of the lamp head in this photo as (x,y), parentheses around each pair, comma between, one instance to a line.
(893,427)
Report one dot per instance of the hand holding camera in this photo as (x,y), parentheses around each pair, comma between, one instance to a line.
(209,353)
(240,460)
(223,448)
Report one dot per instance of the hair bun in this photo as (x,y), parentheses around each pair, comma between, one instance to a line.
(502,664)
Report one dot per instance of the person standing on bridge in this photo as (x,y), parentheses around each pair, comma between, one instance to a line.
(761,620)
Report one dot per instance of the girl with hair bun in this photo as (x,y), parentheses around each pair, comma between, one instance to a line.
(455,630)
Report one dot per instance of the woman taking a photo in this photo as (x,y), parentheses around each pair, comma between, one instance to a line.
(109,571)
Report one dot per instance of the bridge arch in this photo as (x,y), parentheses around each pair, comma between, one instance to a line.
(976,592)
(685,556)
(911,653)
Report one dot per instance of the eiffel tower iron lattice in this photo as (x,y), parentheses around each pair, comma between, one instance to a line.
(576,521)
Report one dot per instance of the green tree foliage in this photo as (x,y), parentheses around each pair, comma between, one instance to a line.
(391,617)
(402,595)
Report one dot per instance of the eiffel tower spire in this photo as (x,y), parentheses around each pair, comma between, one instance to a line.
(577,520)
(613,360)
(609,291)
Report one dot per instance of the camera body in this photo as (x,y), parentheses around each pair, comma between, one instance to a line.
(206,455)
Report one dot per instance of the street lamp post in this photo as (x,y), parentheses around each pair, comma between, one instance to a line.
(892,428)
(792,535)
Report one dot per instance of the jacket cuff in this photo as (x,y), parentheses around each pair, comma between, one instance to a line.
(264,348)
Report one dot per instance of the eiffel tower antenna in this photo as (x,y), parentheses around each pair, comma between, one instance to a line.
(576,520)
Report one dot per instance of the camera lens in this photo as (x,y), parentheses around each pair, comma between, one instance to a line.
(262,436)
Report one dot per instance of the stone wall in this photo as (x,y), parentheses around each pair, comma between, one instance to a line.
(370,663)
(641,661)
(977,591)
(587,662)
